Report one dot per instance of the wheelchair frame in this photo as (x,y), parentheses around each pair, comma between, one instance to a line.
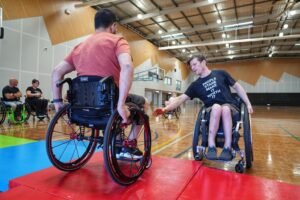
(176,112)
(7,112)
(201,136)
(113,138)
(33,111)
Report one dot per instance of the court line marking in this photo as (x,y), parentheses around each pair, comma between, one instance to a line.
(166,145)
(291,134)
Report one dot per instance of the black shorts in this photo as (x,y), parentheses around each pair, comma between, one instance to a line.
(136,99)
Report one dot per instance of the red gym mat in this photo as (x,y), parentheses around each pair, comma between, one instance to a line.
(26,193)
(166,179)
(214,184)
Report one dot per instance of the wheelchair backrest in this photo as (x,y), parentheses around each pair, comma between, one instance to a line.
(92,100)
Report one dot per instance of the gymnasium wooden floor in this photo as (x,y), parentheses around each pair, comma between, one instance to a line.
(275,132)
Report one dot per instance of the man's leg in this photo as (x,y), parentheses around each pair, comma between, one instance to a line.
(214,121)
(227,128)
(136,128)
(227,125)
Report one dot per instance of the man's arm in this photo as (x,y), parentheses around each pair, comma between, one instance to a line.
(176,101)
(58,74)
(125,82)
(242,93)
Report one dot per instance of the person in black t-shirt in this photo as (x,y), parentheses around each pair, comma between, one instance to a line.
(11,96)
(34,97)
(213,88)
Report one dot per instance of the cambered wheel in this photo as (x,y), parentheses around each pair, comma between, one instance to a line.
(2,112)
(27,111)
(125,168)
(247,137)
(197,139)
(68,145)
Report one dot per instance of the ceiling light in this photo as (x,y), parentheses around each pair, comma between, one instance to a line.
(173,42)
(172,35)
(160,31)
(231,57)
(285,26)
(238,24)
(223,35)
(270,55)
(183,50)
(280,34)
(140,16)
(219,21)
(210,1)
(292,12)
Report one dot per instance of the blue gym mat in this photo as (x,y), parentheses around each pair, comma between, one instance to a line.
(20,160)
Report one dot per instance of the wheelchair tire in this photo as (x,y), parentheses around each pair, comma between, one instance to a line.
(197,138)
(126,170)
(69,146)
(27,111)
(247,138)
(2,112)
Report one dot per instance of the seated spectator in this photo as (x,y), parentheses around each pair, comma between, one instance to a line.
(11,96)
(34,97)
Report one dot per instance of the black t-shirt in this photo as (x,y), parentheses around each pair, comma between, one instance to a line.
(33,91)
(8,89)
(214,88)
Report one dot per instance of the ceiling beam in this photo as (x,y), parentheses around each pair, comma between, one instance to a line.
(95,3)
(256,20)
(220,42)
(182,7)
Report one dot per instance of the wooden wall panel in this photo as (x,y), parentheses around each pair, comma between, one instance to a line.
(251,70)
(61,27)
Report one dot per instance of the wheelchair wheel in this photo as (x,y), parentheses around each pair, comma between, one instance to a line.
(2,112)
(247,138)
(177,112)
(27,111)
(197,139)
(126,168)
(68,145)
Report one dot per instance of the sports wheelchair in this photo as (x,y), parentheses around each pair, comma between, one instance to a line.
(7,112)
(32,110)
(90,119)
(176,112)
(240,121)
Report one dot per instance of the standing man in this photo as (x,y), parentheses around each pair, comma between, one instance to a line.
(34,97)
(11,96)
(213,88)
(102,54)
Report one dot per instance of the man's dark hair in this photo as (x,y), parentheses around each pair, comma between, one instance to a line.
(104,18)
(34,81)
(200,58)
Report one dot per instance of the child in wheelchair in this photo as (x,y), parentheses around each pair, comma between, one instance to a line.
(213,89)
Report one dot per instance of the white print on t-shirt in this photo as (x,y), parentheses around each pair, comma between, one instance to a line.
(210,85)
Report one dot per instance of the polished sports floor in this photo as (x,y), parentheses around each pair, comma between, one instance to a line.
(275,132)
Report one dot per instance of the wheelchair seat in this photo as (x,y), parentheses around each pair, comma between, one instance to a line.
(92,100)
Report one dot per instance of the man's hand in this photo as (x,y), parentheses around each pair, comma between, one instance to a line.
(250,109)
(124,113)
(159,111)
